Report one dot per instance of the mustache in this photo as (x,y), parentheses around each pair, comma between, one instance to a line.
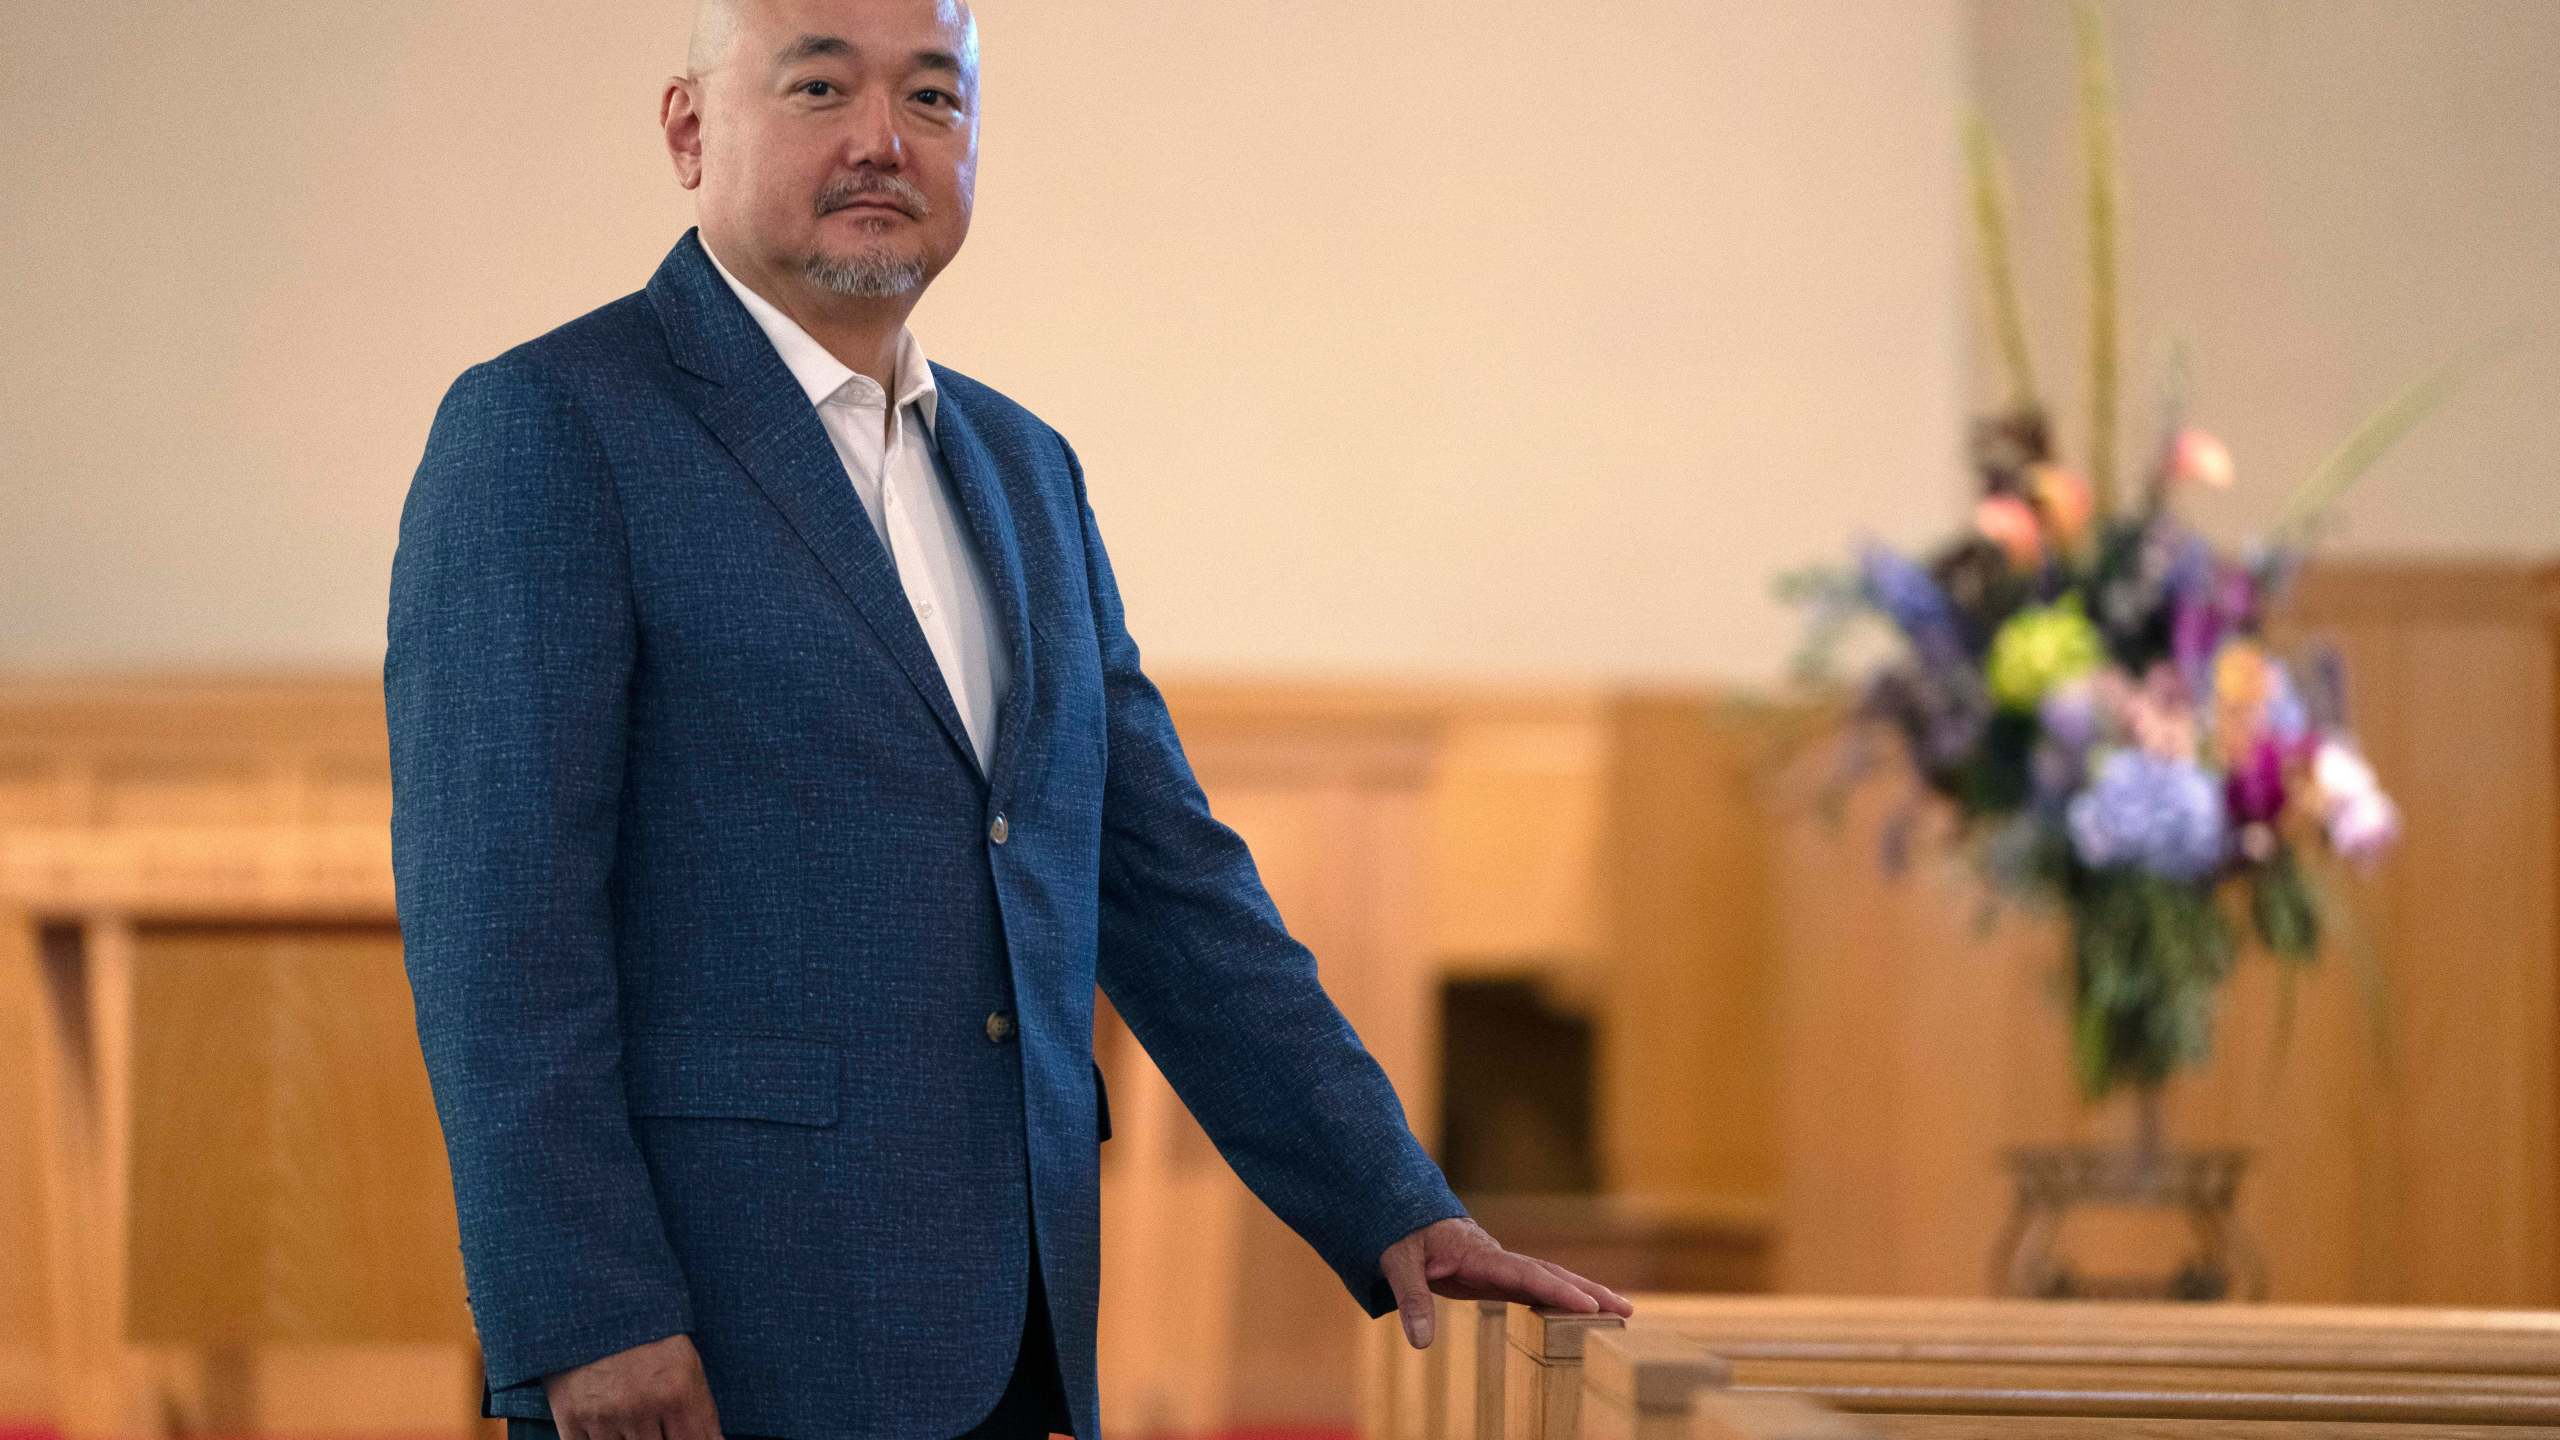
(899,192)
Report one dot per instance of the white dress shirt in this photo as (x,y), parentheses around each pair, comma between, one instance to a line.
(888,454)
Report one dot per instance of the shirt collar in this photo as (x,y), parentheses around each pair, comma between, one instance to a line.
(820,373)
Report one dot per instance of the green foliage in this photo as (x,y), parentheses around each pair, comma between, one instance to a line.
(2000,284)
(2098,135)
(1837,601)
(2286,912)
(2369,441)
(2148,956)
(1997,779)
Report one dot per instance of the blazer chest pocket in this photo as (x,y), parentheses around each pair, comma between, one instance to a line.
(1101,1105)
(789,1078)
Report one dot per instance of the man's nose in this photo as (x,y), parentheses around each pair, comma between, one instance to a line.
(874,137)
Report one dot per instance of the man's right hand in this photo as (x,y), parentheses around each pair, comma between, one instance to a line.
(655,1391)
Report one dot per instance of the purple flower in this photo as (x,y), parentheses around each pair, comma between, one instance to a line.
(1908,594)
(1939,712)
(2161,815)
(2196,629)
(2287,718)
(2056,772)
(2235,596)
(2069,713)
(2255,788)
(2186,563)
(2209,602)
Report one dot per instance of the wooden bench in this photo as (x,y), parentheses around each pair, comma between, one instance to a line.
(1940,1369)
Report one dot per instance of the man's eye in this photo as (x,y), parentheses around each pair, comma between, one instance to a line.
(937,97)
(816,87)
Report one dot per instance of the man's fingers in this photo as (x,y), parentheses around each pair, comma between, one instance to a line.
(1403,1265)
(1608,1299)
(1522,1281)
(1580,1287)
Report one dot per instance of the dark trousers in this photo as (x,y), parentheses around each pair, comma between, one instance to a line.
(1032,1407)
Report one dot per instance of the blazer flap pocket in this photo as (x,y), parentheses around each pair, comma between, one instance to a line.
(719,1073)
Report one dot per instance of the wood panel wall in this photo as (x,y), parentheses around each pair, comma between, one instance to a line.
(1605,843)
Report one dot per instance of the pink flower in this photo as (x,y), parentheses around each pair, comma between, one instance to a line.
(2065,500)
(2162,714)
(2362,821)
(2010,523)
(2362,829)
(2197,458)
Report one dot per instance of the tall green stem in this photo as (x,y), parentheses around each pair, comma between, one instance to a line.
(1999,278)
(2097,103)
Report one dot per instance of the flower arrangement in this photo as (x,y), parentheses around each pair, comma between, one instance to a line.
(2088,686)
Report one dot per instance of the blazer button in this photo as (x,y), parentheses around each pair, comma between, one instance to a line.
(998,830)
(999,1028)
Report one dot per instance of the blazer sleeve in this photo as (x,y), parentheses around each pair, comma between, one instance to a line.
(1195,958)
(510,648)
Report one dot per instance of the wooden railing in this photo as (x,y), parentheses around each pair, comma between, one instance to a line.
(1691,1366)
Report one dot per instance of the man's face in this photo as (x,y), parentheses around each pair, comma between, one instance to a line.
(837,142)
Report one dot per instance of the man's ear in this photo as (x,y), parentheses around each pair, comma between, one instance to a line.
(680,116)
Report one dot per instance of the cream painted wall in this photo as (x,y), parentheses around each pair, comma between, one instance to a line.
(2327,199)
(1494,339)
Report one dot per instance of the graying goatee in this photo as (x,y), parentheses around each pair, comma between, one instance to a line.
(870,276)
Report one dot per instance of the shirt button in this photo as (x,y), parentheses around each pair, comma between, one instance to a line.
(998,830)
(999,1028)
(925,609)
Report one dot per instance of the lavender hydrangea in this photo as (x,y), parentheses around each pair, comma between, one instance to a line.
(1914,600)
(2160,815)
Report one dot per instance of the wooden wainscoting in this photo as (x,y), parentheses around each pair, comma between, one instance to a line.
(1598,841)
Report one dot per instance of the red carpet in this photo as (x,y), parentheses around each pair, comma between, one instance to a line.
(1242,1433)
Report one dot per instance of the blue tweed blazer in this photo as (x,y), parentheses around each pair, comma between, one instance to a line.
(707,905)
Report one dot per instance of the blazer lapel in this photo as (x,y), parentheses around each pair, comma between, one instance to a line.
(980,488)
(758,412)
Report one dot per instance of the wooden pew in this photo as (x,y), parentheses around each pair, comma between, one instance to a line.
(1725,1415)
(1644,1384)
(1936,1370)
(1639,1384)
(1452,1388)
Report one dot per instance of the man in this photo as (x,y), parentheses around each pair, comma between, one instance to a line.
(774,779)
